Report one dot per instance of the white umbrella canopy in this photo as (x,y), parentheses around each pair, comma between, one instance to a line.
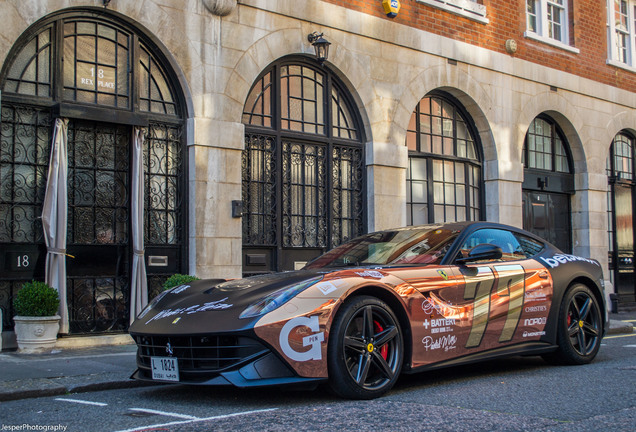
(54,217)
(139,283)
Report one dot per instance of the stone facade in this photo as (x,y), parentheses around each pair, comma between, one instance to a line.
(388,67)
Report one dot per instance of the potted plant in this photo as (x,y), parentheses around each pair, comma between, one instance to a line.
(178,279)
(36,320)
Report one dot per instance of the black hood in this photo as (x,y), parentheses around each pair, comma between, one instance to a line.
(211,306)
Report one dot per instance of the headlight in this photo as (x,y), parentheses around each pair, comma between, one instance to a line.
(277,299)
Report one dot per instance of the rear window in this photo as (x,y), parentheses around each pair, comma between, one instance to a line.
(531,247)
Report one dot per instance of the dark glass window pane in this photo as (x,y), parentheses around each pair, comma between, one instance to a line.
(442,136)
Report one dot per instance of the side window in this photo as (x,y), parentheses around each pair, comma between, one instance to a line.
(510,246)
(530,247)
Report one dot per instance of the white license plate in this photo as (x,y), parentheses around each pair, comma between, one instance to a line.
(165,368)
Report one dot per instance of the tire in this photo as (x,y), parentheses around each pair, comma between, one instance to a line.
(365,349)
(579,329)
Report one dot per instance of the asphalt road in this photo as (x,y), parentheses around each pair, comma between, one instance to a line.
(508,395)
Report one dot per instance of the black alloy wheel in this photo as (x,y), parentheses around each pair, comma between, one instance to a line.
(365,349)
(580,327)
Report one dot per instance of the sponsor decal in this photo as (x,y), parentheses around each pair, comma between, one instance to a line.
(536,309)
(443,274)
(327,287)
(529,322)
(313,340)
(533,334)
(215,305)
(446,343)
(429,307)
(371,273)
(179,289)
(441,325)
(559,259)
(533,296)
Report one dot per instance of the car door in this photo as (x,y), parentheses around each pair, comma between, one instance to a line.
(491,303)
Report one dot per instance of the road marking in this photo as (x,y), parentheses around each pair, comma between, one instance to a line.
(629,346)
(634,320)
(82,402)
(148,427)
(15,359)
(164,413)
(620,336)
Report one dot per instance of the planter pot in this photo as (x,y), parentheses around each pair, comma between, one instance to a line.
(36,334)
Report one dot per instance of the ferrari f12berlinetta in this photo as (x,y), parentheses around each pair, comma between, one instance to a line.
(387,303)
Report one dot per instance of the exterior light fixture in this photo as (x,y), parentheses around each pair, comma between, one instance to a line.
(321,45)
(106,3)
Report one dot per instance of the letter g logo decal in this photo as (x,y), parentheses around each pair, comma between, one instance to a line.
(314,340)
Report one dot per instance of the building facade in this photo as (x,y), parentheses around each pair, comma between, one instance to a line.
(250,155)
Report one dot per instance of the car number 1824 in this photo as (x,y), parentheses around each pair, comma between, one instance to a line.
(165,368)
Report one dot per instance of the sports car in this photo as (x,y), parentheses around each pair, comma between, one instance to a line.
(387,303)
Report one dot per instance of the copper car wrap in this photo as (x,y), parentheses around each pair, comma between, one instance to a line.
(391,302)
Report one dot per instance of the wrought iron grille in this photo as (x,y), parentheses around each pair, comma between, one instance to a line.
(97,304)
(97,56)
(305,209)
(25,139)
(163,165)
(303,166)
(98,226)
(259,190)
(98,186)
(347,204)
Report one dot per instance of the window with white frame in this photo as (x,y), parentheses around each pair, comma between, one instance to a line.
(621,25)
(473,9)
(547,20)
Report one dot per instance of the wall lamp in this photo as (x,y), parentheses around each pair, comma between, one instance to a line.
(321,46)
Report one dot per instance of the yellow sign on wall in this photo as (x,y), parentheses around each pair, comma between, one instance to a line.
(391,7)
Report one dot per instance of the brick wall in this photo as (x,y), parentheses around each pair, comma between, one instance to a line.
(507,20)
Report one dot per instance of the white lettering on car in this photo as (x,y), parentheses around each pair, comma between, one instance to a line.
(559,259)
(313,340)
(215,305)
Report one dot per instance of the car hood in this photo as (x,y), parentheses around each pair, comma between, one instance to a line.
(212,306)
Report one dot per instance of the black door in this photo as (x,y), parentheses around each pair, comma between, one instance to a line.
(547,215)
(98,226)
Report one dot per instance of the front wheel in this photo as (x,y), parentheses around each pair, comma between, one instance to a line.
(365,349)
(579,329)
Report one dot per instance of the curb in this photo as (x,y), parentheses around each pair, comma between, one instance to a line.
(618,327)
(31,393)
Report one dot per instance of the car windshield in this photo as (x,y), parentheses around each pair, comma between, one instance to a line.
(427,245)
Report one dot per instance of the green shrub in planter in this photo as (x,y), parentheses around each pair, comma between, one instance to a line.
(178,279)
(36,299)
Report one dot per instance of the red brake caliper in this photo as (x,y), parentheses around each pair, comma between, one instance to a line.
(384,351)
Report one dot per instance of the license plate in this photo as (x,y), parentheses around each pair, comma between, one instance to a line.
(165,368)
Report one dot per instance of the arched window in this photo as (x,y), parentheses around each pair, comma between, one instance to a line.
(444,172)
(303,166)
(548,183)
(96,69)
(620,207)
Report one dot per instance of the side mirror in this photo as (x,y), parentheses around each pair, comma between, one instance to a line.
(481,252)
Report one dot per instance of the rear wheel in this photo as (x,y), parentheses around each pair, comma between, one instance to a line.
(580,327)
(365,349)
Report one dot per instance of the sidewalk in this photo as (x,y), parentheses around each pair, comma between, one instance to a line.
(80,370)
(66,371)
